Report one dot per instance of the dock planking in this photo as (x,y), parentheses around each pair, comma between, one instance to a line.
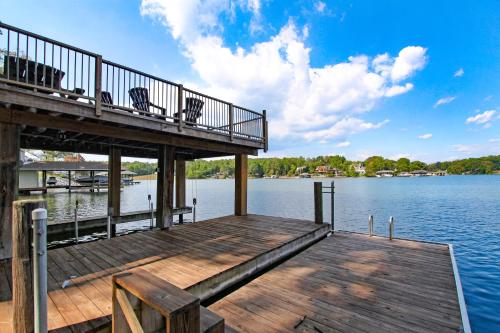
(187,256)
(351,283)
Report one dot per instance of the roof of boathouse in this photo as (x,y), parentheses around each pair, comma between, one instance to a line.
(65,166)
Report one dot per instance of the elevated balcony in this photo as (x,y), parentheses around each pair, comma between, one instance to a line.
(70,99)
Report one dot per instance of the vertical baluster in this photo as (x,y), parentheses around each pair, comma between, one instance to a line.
(27,56)
(113,83)
(44,62)
(81,73)
(36,61)
(118,87)
(60,66)
(74,74)
(17,58)
(67,68)
(88,76)
(129,79)
(8,54)
(124,75)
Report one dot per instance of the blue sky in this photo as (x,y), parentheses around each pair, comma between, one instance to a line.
(356,78)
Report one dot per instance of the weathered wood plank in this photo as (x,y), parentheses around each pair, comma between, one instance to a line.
(9,182)
(351,283)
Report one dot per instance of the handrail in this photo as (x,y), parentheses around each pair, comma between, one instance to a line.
(46,39)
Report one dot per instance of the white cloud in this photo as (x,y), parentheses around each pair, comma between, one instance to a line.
(343,144)
(398,156)
(481,118)
(425,136)
(494,140)
(398,90)
(444,100)
(459,73)
(320,6)
(303,101)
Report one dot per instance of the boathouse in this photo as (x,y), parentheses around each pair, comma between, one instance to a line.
(182,278)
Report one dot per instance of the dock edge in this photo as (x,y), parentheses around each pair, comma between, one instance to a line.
(461,300)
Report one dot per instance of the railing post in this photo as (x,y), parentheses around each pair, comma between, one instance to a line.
(180,97)
(265,130)
(39,217)
(332,202)
(76,221)
(391,228)
(318,202)
(110,213)
(370,225)
(98,88)
(231,121)
(22,265)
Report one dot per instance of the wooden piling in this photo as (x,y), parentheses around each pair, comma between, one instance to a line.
(180,186)
(22,261)
(9,183)
(240,182)
(114,185)
(165,187)
(318,202)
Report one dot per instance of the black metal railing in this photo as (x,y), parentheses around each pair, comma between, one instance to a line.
(48,66)
(53,68)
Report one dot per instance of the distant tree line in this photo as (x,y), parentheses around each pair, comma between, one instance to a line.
(292,166)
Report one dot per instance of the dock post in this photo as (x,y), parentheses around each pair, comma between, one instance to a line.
(76,221)
(9,183)
(165,187)
(22,264)
(110,213)
(391,228)
(370,225)
(39,217)
(114,184)
(69,181)
(318,202)
(151,215)
(180,186)
(240,182)
(332,202)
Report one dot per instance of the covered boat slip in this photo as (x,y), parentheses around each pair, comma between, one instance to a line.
(351,282)
(203,258)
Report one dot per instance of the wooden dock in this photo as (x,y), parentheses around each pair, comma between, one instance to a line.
(351,283)
(202,258)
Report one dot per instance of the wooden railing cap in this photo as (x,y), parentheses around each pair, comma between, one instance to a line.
(159,294)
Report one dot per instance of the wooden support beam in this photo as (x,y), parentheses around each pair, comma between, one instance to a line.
(240,182)
(44,178)
(22,264)
(149,131)
(180,186)
(318,202)
(114,185)
(9,183)
(165,187)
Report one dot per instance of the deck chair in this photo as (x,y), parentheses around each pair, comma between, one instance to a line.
(44,78)
(106,97)
(140,101)
(192,111)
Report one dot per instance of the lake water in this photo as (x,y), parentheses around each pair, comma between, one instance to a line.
(462,210)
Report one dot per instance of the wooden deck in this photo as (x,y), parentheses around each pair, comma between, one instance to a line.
(201,258)
(351,283)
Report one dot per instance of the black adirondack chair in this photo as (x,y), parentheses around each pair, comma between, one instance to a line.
(106,97)
(140,101)
(192,111)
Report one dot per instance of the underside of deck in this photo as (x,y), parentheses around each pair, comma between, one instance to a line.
(203,258)
(351,283)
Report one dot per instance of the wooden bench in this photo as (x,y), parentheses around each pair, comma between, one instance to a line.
(143,302)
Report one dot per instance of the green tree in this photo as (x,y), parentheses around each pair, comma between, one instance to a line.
(403,165)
